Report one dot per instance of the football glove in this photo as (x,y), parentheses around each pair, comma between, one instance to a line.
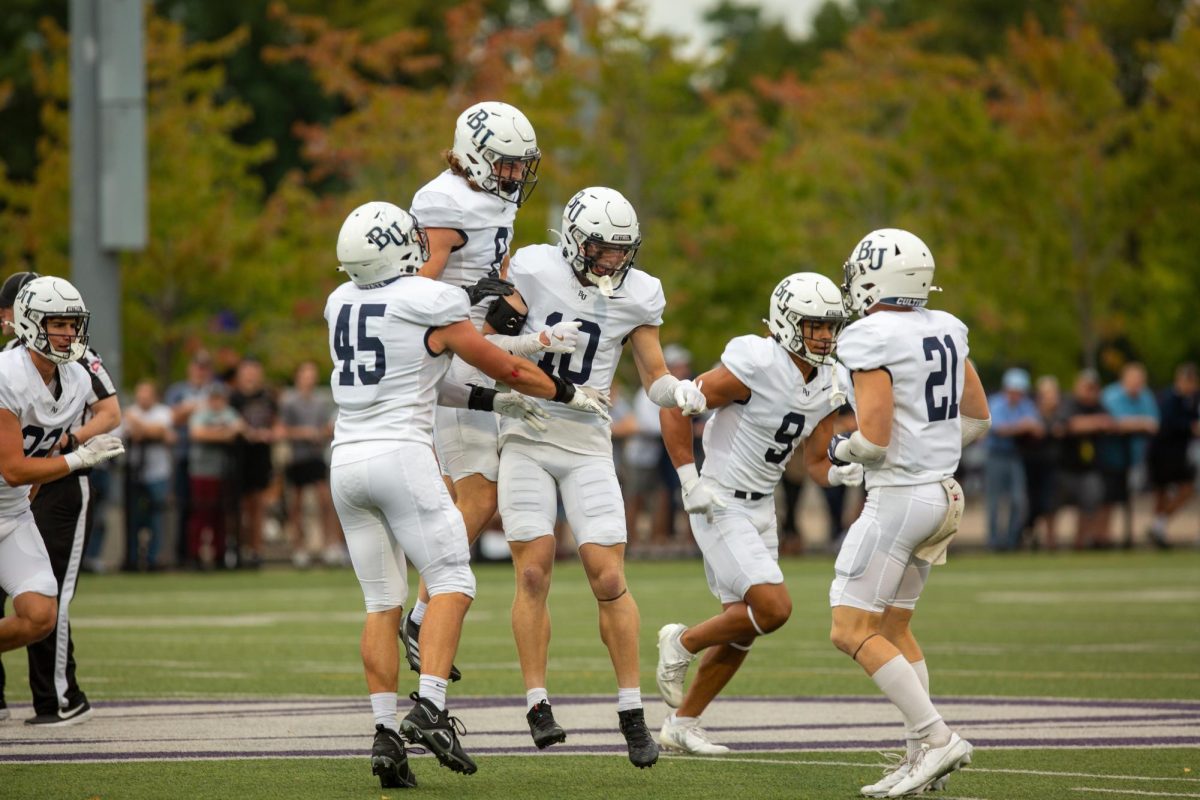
(690,399)
(848,475)
(100,447)
(699,496)
(488,286)
(592,401)
(518,406)
(561,338)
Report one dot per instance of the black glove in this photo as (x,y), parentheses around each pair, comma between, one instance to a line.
(489,286)
(833,443)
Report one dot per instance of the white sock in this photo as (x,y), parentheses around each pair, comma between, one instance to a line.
(383,706)
(433,689)
(899,682)
(629,699)
(418,611)
(912,739)
(678,720)
(535,696)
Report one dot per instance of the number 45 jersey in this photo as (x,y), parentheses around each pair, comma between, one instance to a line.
(925,353)
(553,294)
(384,377)
(43,417)
(747,445)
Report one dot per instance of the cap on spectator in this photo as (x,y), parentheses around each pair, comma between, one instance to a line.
(676,354)
(1016,380)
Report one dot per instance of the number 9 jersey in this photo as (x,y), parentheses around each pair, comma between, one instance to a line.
(924,352)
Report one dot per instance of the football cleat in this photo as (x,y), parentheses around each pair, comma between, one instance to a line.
(673,663)
(930,764)
(437,731)
(542,726)
(410,637)
(643,751)
(688,737)
(389,761)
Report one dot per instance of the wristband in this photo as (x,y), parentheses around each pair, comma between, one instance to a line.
(72,443)
(687,473)
(563,392)
(74,461)
(481,398)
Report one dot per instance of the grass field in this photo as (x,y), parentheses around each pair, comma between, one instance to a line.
(1112,626)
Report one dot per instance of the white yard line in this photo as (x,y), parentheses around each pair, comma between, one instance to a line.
(1047,773)
(1131,791)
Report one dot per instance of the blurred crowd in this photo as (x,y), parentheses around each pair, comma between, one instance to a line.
(1093,448)
(222,467)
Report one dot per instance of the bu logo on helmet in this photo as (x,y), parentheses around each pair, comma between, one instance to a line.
(381,237)
(476,122)
(868,254)
(575,207)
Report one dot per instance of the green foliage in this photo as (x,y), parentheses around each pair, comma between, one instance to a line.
(1046,155)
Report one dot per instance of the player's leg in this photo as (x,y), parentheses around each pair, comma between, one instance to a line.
(595,510)
(379,566)
(868,575)
(27,577)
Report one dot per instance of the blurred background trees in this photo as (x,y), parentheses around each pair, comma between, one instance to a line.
(1046,151)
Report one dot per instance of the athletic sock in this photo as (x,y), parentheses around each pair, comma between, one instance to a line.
(535,696)
(899,682)
(912,739)
(418,612)
(433,689)
(629,699)
(383,706)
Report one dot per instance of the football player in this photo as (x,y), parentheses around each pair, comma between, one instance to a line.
(63,510)
(43,391)
(586,287)
(918,400)
(468,212)
(391,335)
(773,395)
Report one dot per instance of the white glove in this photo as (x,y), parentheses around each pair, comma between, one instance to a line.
(100,447)
(699,496)
(518,406)
(592,401)
(849,475)
(560,338)
(690,399)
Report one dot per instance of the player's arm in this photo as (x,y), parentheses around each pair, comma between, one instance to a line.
(17,469)
(720,388)
(506,319)
(463,340)
(816,457)
(973,409)
(442,242)
(663,388)
(868,444)
(106,417)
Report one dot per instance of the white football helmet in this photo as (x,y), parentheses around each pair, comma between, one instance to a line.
(496,146)
(888,266)
(800,302)
(600,237)
(41,300)
(380,241)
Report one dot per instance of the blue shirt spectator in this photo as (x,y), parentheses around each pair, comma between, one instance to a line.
(1014,414)
(1135,409)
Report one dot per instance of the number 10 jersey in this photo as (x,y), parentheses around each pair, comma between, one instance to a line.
(925,353)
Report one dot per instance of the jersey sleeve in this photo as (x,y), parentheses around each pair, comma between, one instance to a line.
(656,306)
(742,357)
(861,347)
(438,305)
(438,210)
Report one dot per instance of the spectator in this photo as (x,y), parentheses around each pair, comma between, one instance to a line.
(306,422)
(1087,427)
(149,431)
(256,404)
(1014,419)
(185,398)
(1043,457)
(1123,457)
(1171,474)
(213,430)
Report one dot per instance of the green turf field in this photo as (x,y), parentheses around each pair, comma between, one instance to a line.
(1095,626)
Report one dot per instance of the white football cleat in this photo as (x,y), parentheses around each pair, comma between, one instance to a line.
(688,737)
(932,764)
(673,662)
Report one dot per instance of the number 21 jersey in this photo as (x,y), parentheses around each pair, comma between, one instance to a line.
(925,353)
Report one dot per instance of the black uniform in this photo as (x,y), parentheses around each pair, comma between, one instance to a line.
(63,511)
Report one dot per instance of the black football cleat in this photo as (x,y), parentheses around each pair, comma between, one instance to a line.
(543,727)
(643,750)
(410,637)
(389,760)
(437,731)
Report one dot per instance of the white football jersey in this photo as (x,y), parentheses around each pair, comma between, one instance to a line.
(384,377)
(925,352)
(484,220)
(747,445)
(44,418)
(554,294)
